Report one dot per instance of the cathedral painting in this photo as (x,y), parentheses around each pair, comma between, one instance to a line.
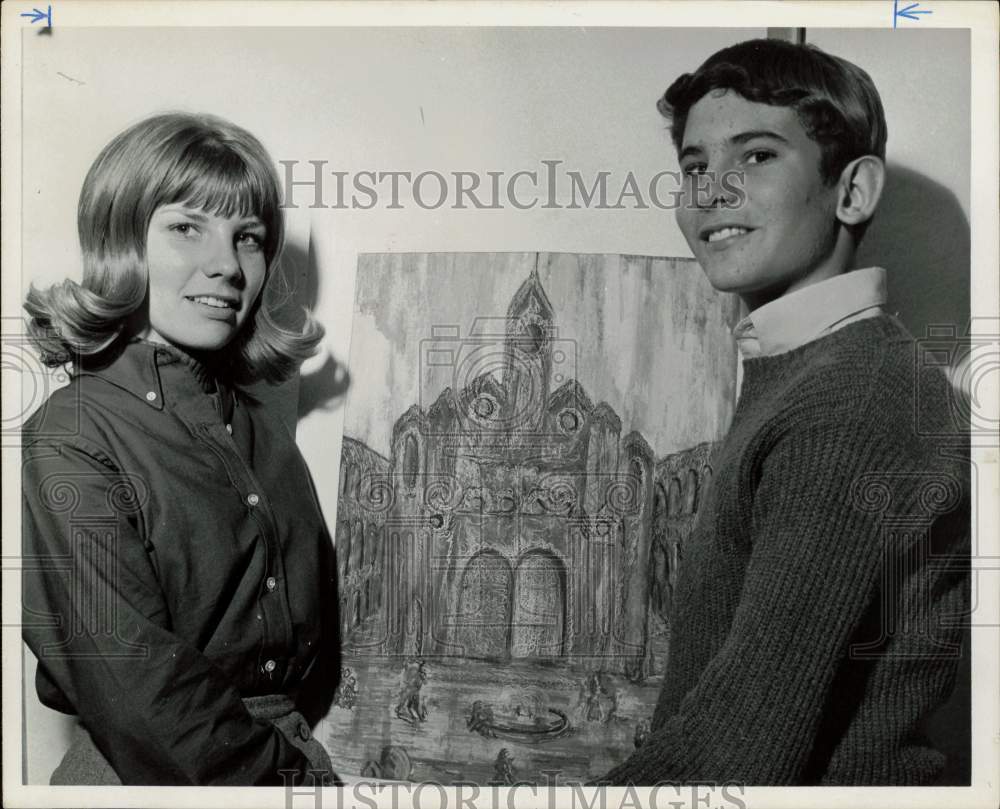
(526,442)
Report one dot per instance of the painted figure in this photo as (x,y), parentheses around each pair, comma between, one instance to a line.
(503,768)
(411,706)
(346,695)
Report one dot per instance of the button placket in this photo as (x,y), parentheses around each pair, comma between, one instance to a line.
(272,613)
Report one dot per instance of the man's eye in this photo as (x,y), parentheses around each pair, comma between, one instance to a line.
(694,168)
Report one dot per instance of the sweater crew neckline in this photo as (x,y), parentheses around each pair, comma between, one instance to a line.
(881,326)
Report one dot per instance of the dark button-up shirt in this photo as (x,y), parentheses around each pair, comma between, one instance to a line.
(176,561)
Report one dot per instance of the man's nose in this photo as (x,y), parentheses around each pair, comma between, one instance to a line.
(715,188)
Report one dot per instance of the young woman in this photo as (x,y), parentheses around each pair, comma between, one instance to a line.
(183,602)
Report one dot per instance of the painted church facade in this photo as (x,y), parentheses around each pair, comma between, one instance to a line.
(512,519)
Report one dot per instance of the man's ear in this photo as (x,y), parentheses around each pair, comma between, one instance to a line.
(859,189)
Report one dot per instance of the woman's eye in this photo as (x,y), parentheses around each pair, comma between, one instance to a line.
(182,228)
(760,156)
(694,168)
(250,239)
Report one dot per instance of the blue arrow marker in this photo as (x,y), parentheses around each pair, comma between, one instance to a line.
(910,12)
(37,16)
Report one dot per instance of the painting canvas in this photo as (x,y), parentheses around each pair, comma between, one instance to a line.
(527,437)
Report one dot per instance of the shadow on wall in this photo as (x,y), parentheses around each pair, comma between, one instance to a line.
(921,235)
(297,286)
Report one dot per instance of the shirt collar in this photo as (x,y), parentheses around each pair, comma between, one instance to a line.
(803,315)
(137,370)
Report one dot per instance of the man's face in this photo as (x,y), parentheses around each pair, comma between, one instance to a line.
(782,236)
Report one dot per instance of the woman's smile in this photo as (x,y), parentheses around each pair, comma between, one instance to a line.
(205,274)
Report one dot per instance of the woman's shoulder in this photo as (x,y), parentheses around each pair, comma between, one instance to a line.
(72,415)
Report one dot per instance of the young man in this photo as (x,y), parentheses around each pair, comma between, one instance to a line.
(811,631)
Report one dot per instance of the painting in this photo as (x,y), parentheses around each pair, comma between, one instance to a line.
(527,438)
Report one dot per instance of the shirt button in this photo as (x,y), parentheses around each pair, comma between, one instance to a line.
(229,429)
(252,499)
(304,733)
(270,666)
(271,582)
(151,396)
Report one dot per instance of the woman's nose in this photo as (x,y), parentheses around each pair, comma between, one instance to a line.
(223,258)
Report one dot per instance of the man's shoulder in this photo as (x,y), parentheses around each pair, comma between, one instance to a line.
(873,378)
(917,390)
(905,402)
(867,346)
(840,374)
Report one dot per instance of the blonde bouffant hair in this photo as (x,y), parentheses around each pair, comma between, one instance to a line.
(201,161)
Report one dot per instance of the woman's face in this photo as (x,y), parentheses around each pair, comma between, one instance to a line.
(205,272)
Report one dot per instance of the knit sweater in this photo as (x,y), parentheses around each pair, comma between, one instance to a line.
(810,633)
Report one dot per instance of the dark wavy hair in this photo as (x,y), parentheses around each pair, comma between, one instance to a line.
(202,161)
(836,101)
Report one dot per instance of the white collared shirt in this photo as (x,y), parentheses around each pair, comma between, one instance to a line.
(801,316)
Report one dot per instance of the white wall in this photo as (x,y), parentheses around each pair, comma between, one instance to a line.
(921,231)
(414,100)
(384,100)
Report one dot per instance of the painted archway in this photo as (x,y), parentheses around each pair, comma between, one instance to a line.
(538,623)
(484,601)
